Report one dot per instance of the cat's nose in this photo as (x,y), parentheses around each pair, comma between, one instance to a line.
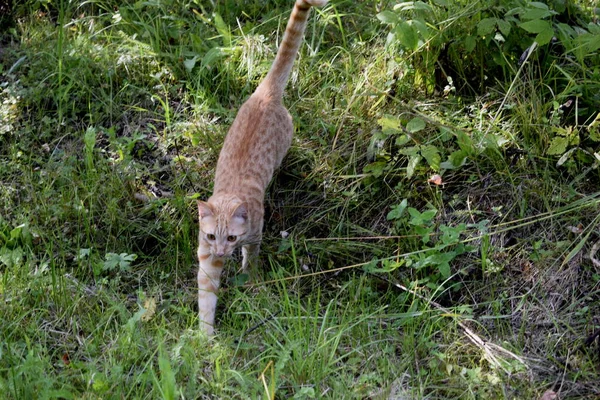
(220,253)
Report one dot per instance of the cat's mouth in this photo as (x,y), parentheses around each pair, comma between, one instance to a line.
(221,253)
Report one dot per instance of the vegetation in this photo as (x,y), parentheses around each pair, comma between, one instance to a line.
(432,233)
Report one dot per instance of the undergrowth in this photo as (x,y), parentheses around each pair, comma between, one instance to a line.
(432,232)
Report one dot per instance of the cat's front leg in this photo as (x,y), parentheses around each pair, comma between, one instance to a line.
(209,279)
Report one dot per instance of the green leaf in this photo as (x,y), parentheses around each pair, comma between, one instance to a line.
(376,169)
(10,257)
(465,142)
(486,26)
(422,28)
(82,254)
(122,261)
(451,234)
(504,27)
(410,151)
(429,214)
(537,13)
(21,234)
(470,43)
(594,28)
(402,140)
(413,162)
(211,56)
(444,268)
(389,124)
(589,43)
(419,5)
(167,376)
(135,318)
(305,392)
(432,155)
(415,125)
(223,30)
(388,17)
(386,266)
(397,211)
(538,4)
(558,145)
(240,280)
(456,160)
(536,26)
(407,35)
(420,219)
(544,37)
(190,63)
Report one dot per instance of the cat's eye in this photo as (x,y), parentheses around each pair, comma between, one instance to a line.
(210,236)
(231,238)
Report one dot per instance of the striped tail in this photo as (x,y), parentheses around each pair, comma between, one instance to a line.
(275,81)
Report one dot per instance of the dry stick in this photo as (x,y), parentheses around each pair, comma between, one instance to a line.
(473,337)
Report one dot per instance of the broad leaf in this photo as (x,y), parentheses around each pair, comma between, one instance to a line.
(389,124)
(413,162)
(376,168)
(402,140)
(544,37)
(558,145)
(465,142)
(504,27)
(407,35)
(388,17)
(470,43)
(536,26)
(415,125)
(190,63)
(223,30)
(486,26)
(537,13)
(397,211)
(432,155)
(456,160)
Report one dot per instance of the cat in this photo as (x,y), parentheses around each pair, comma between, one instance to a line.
(254,147)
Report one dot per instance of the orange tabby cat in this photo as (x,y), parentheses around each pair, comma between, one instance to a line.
(254,147)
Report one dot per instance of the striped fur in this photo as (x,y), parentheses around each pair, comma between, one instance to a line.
(255,145)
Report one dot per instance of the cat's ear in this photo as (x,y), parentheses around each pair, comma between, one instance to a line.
(204,209)
(241,212)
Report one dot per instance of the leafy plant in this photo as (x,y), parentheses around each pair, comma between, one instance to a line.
(466,44)
(440,245)
(120,262)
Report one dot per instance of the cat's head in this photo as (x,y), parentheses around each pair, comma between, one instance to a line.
(224,224)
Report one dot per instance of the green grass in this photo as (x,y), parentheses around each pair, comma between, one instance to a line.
(111,121)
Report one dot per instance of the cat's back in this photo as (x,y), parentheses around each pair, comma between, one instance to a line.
(257,141)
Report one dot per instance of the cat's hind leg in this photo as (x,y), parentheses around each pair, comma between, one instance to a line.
(249,255)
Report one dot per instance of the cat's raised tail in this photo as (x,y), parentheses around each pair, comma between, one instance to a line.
(275,81)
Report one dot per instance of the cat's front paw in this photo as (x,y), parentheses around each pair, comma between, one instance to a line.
(207,328)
